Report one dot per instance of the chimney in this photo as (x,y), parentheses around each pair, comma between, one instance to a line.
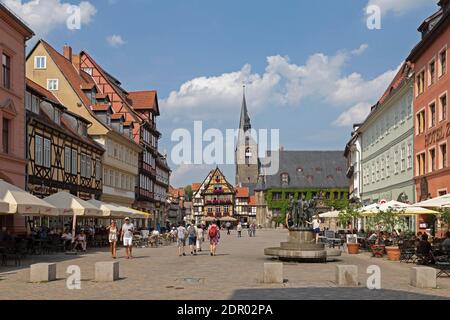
(67,52)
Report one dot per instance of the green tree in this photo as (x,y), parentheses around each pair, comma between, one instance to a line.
(189,193)
(349,215)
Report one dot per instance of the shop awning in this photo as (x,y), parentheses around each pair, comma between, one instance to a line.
(402,208)
(19,201)
(330,214)
(71,205)
(109,210)
(439,202)
(132,213)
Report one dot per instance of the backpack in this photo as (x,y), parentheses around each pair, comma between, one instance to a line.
(192,233)
(212,232)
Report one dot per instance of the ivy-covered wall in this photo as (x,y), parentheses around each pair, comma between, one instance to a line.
(330,199)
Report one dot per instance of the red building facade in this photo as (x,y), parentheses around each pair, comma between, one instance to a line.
(13,36)
(432,117)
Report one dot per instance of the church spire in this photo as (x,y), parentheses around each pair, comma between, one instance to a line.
(244,123)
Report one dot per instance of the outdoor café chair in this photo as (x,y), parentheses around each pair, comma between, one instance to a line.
(442,263)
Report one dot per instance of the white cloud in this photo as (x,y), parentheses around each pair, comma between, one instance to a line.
(115,40)
(283,83)
(398,6)
(362,48)
(356,114)
(43,16)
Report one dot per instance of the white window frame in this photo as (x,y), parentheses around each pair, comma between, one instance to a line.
(74,163)
(38,147)
(47,153)
(56,82)
(36,59)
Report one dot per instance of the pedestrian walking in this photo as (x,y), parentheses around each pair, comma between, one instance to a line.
(200,237)
(239,230)
(181,239)
(228,226)
(113,237)
(192,232)
(253,229)
(127,237)
(214,237)
(316,227)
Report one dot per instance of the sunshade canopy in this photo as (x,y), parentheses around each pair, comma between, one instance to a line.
(109,210)
(132,213)
(72,205)
(228,219)
(402,208)
(439,202)
(18,201)
(330,214)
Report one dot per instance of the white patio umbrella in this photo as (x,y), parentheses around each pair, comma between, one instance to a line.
(19,201)
(132,213)
(73,206)
(4,207)
(439,202)
(403,208)
(109,210)
(330,214)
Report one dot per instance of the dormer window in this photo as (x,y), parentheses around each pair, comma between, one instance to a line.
(57,116)
(88,71)
(82,129)
(284,179)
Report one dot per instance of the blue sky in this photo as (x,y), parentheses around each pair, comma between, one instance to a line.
(312,68)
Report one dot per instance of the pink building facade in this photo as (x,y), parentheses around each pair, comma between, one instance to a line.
(13,36)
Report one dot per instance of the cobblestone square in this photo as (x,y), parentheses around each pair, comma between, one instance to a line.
(235,273)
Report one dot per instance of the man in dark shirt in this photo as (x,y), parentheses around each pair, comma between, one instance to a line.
(424,250)
(446,243)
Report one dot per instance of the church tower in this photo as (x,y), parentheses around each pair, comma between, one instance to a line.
(246,153)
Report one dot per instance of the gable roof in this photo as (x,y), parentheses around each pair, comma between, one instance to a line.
(144,100)
(69,71)
(44,93)
(310,169)
(214,173)
(242,192)
(115,84)
(196,186)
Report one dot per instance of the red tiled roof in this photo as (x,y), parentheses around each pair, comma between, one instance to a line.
(100,107)
(398,79)
(69,71)
(252,201)
(242,192)
(196,186)
(117,116)
(144,100)
(42,91)
(101,96)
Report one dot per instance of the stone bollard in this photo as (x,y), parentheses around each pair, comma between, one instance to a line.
(423,277)
(107,271)
(42,272)
(347,276)
(273,273)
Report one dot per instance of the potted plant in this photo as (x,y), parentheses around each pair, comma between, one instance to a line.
(347,215)
(390,219)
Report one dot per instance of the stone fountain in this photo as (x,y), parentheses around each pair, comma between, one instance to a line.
(301,245)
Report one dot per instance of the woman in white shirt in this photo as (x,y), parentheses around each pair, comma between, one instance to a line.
(316,227)
(200,237)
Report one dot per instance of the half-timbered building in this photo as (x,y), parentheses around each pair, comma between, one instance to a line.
(61,74)
(62,157)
